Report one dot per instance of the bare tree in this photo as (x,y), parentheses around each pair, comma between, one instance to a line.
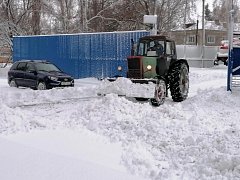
(36,17)
(72,16)
(9,23)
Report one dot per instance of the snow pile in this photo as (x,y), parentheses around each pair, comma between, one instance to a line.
(120,86)
(15,97)
(4,69)
(124,87)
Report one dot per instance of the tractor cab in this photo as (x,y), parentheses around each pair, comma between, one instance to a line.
(152,57)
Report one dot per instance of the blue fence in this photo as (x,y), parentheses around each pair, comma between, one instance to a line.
(80,55)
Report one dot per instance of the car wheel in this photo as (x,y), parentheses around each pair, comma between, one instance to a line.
(225,63)
(41,86)
(160,93)
(13,83)
(215,62)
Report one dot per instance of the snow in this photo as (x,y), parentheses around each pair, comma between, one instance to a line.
(72,133)
(69,155)
(124,87)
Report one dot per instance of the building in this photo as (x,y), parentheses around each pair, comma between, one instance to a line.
(214,34)
(5,54)
(194,37)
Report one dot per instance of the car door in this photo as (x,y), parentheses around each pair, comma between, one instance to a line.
(20,74)
(30,75)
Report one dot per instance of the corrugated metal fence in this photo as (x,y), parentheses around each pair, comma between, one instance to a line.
(81,55)
(198,56)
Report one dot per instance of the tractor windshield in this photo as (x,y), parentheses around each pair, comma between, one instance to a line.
(150,48)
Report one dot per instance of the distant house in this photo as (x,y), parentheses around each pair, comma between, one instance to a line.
(214,33)
(5,53)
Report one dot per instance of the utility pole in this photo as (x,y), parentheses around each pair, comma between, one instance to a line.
(155,8)
(197,34)
(84,15)
(203,23)
(203,30)
(185,29)
(230,23)
(230,39)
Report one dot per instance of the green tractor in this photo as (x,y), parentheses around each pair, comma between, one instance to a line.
(154,62)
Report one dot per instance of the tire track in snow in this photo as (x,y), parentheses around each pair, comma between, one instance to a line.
(68,100)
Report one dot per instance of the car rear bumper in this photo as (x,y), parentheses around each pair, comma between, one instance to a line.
(222,55)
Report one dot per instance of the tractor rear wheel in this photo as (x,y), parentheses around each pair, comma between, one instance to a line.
(179,81)
(160,93)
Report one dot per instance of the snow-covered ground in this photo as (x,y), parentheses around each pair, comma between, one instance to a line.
(72,133)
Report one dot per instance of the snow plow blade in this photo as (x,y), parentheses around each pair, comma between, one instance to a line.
(137,88)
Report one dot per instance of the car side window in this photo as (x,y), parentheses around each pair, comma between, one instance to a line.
(30,67)
(14,66)
(21,66)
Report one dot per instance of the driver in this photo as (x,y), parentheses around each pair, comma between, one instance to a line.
(157,47)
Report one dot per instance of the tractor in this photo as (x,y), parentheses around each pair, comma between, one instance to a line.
(154,62)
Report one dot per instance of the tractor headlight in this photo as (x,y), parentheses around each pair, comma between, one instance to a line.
(119,68)
(53,78)
(149,67)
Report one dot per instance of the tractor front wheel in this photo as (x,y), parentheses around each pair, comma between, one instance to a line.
(160,93)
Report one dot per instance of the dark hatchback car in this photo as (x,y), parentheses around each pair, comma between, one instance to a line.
(38,74)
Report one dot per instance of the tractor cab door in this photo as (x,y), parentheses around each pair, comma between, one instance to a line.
(171,54)
(164,61)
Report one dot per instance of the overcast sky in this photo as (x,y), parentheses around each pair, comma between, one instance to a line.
(199,6)
(209,2)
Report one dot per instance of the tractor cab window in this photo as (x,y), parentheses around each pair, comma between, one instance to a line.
(157,47)
(151,48)
(141,49)
(170,50)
